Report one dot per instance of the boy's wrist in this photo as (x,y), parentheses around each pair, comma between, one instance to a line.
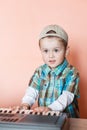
(49,109)
(25,106)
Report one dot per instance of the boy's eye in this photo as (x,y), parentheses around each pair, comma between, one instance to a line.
(56,50)
(45,51)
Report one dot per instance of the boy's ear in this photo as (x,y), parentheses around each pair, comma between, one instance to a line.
(67,51)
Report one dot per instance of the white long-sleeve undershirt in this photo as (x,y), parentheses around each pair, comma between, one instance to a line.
(60,104)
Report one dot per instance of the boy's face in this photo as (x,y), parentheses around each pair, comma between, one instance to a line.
(53,51)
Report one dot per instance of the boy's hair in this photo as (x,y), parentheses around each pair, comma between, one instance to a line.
(54,31)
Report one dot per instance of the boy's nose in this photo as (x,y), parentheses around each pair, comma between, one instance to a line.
(51,54)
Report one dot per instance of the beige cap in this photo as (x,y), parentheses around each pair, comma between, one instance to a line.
(57,31)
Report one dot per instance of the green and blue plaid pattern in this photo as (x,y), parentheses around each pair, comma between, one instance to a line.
(51,83)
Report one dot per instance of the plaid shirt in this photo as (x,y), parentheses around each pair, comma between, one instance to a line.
(51,83)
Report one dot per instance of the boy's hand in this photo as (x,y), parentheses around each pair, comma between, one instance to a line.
(22,106)
(41,109)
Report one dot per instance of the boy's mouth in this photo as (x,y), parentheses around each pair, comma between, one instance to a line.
(52,61)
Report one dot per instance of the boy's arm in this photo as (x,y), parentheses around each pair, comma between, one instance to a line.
(70,90)
(62,102)
(32,91)
(29,98)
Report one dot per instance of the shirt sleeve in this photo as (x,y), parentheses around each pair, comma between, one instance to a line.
(62,102)
(35,80)
(30,96)
(33,88)
(72,82)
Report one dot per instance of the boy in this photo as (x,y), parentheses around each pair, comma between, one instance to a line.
(54,84)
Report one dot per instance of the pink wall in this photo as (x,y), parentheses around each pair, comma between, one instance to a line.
(20,24)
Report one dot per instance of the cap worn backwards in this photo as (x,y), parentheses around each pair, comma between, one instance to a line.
(57,31)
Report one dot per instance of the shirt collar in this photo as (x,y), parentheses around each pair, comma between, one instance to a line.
(61,67)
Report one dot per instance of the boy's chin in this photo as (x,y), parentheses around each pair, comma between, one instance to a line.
(53,66)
